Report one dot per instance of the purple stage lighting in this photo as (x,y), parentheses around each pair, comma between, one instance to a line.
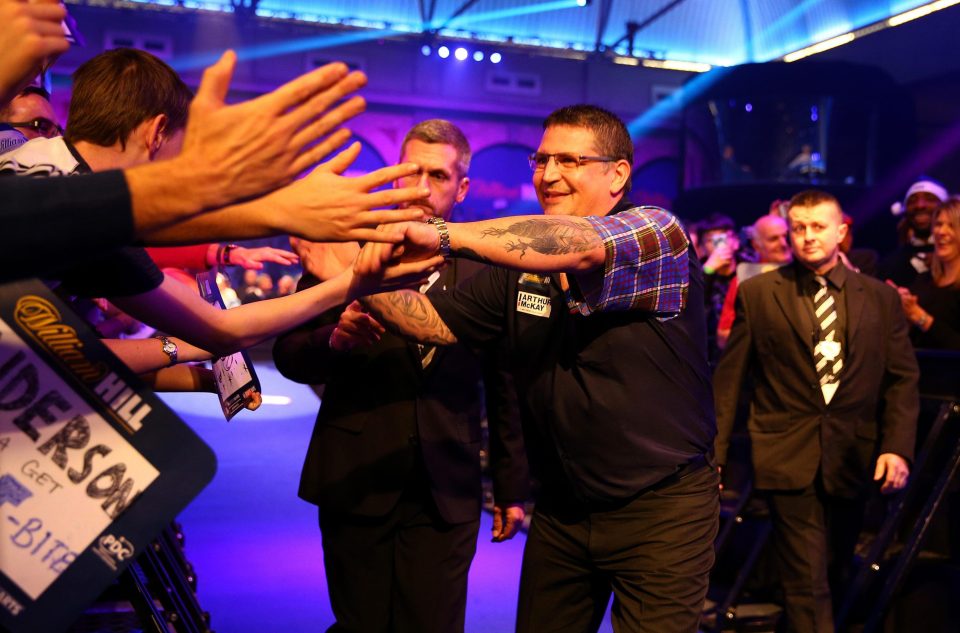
(495,58)
(443,52)
(425,50)
(460,54)
(478,56)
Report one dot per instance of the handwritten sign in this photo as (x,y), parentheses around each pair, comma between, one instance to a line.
(92,464)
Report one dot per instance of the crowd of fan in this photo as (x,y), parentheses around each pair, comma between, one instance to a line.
(152,164)
(923,268)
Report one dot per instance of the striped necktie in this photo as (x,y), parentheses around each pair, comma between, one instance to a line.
(828,353)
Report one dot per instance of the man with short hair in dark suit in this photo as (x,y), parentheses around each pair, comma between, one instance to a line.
(394,461)
(834,401)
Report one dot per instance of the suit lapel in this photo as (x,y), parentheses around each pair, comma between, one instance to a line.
(854,304)
(785,294)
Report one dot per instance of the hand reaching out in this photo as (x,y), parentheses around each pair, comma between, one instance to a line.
(253,258)
(250,148)
(326,206)
(380,266)
(356,328)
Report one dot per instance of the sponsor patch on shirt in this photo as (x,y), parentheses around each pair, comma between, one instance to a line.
(531,303)
(533,294)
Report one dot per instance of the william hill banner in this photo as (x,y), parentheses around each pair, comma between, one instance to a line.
(92,463)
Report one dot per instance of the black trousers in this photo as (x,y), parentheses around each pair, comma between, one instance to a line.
(814,536)
(402,573)
(654,554)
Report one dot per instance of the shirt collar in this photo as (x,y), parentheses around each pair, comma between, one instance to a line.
(82,166)
(836,276)
(622,205)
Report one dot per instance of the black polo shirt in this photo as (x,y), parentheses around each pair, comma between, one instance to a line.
(613,402)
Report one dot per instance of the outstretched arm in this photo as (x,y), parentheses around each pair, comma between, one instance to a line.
(173,307)
(533,243)
(323,206)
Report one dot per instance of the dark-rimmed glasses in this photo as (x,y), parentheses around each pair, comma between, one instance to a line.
(565,162)
(41,125)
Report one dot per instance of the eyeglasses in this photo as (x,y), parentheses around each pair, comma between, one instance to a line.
(40,125)
(565,162)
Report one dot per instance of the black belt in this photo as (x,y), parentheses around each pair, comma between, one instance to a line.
(688,468)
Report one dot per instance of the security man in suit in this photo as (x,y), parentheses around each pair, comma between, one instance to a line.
(394,461)
(834,401)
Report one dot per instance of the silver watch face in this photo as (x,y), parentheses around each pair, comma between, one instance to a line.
(169,347)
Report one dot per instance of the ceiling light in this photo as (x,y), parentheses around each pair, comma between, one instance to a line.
(460,54)
(672,64)
(826,45)
(919,12)
(443,52)
(478,56)
(495,58)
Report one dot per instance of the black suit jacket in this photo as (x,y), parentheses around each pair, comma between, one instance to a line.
(380,407)
(792,431)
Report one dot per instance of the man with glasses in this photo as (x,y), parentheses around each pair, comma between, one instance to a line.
(601,313)
(31,114)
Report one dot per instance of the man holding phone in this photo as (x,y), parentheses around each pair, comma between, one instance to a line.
(718,236)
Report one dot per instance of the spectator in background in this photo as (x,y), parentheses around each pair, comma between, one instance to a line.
(31,114)
(914,234)
(771,240)
(286,285)
(862,260)
(718,239)
(932,303)
(249,290)
(265,285)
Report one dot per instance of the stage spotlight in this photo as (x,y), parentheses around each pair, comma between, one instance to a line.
(582,3)
(443,52)
(425,50)
(460,54)
(495,58)
(478,56)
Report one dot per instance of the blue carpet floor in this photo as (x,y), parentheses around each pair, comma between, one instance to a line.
(256,546)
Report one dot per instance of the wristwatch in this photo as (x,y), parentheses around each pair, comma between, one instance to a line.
(444,233)
(169,348)
(225,260)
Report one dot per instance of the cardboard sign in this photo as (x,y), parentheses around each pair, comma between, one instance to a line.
(92,464)
(234,374)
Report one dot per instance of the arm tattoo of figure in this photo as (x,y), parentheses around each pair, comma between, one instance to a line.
(411,315)
(547,236)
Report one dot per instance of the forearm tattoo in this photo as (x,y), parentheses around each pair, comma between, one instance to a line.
(547,236)
(411,315)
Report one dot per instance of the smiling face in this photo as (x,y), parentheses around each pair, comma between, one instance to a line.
(439,172)
(920,209)
(816,232)
(593,188)
(945,234)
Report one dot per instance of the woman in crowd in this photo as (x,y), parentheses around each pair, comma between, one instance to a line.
(932,303)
